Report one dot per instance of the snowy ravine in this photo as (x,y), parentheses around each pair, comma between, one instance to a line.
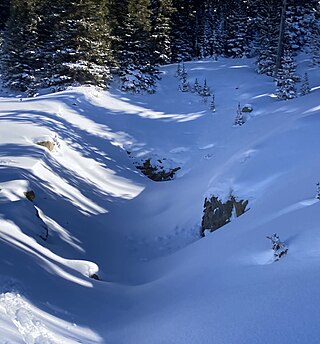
(95,214)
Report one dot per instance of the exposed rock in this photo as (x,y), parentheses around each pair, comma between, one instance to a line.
(95,276)
(217,214)
(157,173)
(247,108)
(30,195)
(48,144)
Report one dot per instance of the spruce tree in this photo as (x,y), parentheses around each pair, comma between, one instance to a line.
(315,45)
(81,39)
(267,25)
(19,61)
(4,13)
(239,120)
(183,32)
(137,69)
(286,78)
(161,31)
(236,44)
(305,87)
(213,104)
(196,86)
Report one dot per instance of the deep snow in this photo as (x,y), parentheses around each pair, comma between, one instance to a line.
(160,283)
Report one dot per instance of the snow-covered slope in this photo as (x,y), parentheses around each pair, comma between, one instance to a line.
(160,283)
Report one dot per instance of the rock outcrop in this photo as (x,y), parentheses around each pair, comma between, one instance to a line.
(47,144)
(157,173)
(217,214)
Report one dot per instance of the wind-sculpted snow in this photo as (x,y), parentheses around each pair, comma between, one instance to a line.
(123,262)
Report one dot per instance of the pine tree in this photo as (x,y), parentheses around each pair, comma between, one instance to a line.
(205,91)
(19,60)
(236,44)
(315,46)
(213,104)
(305,87)
(178,70)
(182,34)
(161,31)
(239,120)
(185,86)
(183,73)
(82,43)
(279,248)
(136,58)
(267,25)
(4,13)
(286,78)
(196,86)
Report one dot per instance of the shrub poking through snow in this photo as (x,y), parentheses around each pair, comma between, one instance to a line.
(239,120)
(318,191)
(279,247)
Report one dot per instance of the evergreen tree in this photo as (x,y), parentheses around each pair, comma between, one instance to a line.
(19,60)
(178,71)
(236,44)
(185,86)
(161,31)
(267,24)
(315,45)
(80,38)
(213,104)
(205,91)
(305,87)
(183,73)
(136,58)
(286,79)
(279,248)
(183,32)
(196,86)
(239,120)
(4,13)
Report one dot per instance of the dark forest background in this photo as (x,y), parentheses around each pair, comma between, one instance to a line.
(53,44)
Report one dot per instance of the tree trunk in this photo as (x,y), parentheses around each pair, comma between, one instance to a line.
(281,37)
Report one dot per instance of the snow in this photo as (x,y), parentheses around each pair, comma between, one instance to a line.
(159,281)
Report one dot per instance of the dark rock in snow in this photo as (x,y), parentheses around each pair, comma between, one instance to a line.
(157,173)
(217,214)
(30,195)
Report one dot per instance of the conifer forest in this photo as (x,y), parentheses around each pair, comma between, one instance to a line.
(54,44)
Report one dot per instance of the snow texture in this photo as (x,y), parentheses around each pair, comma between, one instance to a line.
(159,282)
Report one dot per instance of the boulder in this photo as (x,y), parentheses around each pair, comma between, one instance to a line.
(247,108)
(47,144)
(30,195)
